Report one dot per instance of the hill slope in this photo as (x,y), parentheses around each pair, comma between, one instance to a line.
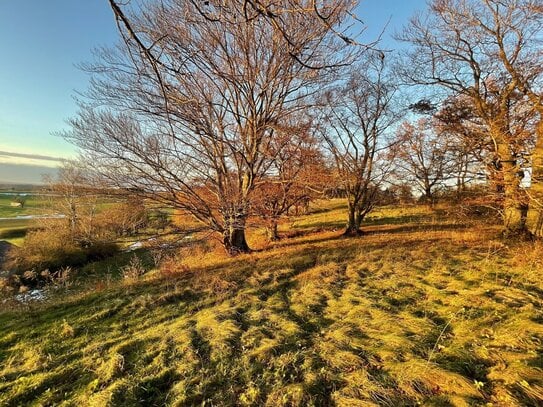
(418,310)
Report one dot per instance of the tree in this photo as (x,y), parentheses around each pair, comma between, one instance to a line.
(469,147)
(422,158)
(516,29)
(71,200)
(89,212)
(184,111)
(356,118)
(74,235)
(297,174)
(454,50)
(125,218)
(21,200)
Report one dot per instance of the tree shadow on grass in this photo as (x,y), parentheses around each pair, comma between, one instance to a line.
(410,228)
(13,233)
(396,220)
(319,225)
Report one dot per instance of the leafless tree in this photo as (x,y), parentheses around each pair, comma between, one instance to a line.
(71,199)
(318,11)
(185,110)
(422,158)
(356,118)
(297,175)
(454,49)
(470,149)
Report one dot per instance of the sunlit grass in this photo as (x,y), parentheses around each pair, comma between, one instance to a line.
(34,205)
(419,310)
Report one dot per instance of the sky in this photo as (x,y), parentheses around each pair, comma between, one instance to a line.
(41,44)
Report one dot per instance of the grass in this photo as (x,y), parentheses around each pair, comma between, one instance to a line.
(14,230)
(419,311)
(34,205)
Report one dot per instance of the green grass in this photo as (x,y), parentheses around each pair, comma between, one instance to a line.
(419,311)
(14,230)
(34,205)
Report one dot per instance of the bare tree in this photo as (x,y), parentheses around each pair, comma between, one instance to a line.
(454,50)
(318,12)
(297,175)
(469,145)
(422,158)
(356,118)
(70,199)
(184,111)
(89,212)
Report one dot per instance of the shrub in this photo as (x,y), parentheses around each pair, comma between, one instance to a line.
(133,269)
(48,249)
(49,254)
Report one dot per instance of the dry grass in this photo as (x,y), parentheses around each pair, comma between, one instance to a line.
(419,311)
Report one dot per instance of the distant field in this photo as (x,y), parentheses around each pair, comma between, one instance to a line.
(14,230)
(34,205)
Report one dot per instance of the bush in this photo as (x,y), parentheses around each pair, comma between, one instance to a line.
(47,249)
(54,248)
(133,269)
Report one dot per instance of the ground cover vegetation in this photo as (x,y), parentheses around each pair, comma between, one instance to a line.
(268,210)
(422,309)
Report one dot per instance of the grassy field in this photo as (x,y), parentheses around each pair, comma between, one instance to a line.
(14,230)
(34,205)
(421,310)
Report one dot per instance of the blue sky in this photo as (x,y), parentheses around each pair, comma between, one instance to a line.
(41,42)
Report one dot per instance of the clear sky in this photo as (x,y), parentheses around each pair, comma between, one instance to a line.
(42,41)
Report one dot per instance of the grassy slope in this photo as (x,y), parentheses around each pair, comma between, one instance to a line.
(419,310)
(14,230)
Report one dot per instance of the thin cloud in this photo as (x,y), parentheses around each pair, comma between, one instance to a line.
(30,156)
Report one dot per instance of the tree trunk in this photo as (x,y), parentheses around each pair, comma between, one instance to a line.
(353,226)
(535,213)
(234,236)
(271,231)
(73,220)
(234,241)
(514,210)
(358,221)
(428,197)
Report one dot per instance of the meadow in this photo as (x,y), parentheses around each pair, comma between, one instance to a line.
(13,229)
(423,309)
(34,205)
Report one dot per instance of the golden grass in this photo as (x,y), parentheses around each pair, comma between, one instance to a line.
(421,310)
